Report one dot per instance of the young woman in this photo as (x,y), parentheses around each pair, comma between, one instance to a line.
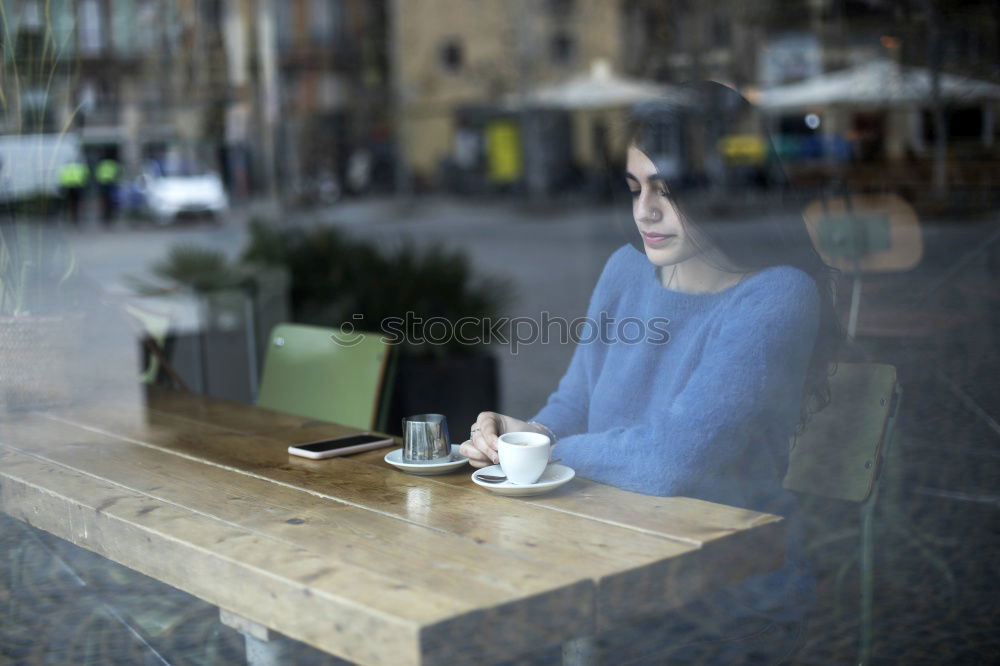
(707,410)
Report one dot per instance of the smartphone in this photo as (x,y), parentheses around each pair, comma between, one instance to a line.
(339,446)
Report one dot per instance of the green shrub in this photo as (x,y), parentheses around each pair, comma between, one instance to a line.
(336,278)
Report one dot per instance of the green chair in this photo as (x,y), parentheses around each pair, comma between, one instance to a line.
(323,374)
(839,455)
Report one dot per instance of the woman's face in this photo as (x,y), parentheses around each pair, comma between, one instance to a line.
(666,240)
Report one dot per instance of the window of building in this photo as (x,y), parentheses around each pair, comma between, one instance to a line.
(451,55)
(562,48)
(144,28)
(326,19)
(61,13)
(560,8)
(283,26)
(123,32)
(720,31)
(92,35)
(31,18)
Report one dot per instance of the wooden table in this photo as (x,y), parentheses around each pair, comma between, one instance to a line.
(350,555)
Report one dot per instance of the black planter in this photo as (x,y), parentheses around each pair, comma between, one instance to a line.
(457,386)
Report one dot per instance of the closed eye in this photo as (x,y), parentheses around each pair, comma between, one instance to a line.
(661,186)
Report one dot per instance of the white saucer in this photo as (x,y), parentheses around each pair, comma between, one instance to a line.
(395,458)
(553,477)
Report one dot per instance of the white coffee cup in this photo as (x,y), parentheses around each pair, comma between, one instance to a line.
(523,456)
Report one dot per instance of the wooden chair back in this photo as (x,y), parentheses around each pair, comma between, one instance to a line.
(839,452)
(865,233)
(323,374)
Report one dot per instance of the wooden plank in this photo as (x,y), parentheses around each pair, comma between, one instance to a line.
(424,616)
(635,570)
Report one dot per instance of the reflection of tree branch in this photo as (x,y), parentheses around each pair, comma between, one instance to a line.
(8,44)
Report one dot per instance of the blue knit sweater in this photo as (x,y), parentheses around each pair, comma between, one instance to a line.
(694,395)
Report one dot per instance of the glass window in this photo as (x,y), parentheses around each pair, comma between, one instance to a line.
(325,20)
(31,17)
(91,28)
(62,26)
(562,48)
(283,25)
(451,55)
(560,8)
(123,32)
(145,26)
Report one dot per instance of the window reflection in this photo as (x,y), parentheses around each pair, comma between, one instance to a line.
(340,162)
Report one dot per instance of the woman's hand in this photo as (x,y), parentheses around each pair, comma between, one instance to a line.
(481,447)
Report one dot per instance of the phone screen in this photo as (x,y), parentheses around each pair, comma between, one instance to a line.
(339,443)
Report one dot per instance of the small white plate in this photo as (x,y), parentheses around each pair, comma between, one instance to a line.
(395,458)
(553,477)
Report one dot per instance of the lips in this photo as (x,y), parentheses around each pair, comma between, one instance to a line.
(656,240)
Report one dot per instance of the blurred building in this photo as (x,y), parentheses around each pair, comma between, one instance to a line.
(334,102)
(682,40)
(767,45)
(258,89)
(460,68)
(133,79)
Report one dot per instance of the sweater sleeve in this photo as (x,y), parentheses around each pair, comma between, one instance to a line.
(565,412)
(753,365)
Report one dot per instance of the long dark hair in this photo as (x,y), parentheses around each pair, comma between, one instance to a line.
(713,149)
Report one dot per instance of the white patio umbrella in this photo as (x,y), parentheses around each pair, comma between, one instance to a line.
(880,82)
(600,88)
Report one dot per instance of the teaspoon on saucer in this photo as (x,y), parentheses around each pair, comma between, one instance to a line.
(500,478)
(489,478)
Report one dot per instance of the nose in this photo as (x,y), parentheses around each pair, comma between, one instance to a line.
(648,208)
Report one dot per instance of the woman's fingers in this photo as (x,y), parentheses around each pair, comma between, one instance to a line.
(484,435)
(481,443)
(476,457)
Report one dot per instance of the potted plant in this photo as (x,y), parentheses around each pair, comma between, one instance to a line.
(237,304)
(337,279)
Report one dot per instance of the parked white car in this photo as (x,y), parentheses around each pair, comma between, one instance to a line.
(180,188)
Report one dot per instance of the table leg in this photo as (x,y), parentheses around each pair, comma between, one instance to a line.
(264,647)
(581,651)
(268,653)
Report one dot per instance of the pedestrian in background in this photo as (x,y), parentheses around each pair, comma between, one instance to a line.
(73,179)
(107,174)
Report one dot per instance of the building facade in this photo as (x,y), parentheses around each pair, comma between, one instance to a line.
(458,65)
(261,90)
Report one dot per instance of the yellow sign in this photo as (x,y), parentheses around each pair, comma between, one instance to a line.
(743,149)
(503,151)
